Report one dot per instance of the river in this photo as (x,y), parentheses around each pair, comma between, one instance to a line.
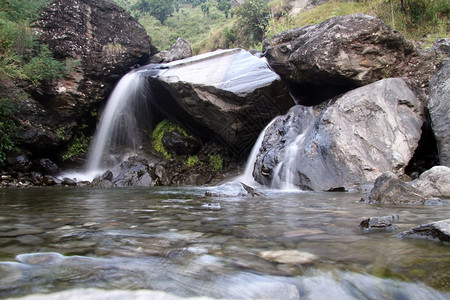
(180,241)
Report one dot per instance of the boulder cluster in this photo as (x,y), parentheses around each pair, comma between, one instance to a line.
(356,100)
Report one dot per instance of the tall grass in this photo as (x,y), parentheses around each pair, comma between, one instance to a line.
(421,20)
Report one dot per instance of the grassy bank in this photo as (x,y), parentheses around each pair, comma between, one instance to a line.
(420,20)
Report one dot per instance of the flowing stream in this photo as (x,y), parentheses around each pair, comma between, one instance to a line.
(180,241)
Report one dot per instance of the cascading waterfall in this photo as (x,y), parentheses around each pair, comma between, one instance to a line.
(247,176)
(285,174)
(127,108)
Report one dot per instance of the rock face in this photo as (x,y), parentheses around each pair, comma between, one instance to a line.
(390,190)
(351,141)
(337,55)
(227,96)
(438,231)
(181,49)
(105,42)
(439,107)
(434,182)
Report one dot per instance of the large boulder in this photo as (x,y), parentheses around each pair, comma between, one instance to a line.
(351,141)
(104,42)
(323,60)
(434,182)
(181,49)
(439,107)
(227,96)
(390,190)
(436,231)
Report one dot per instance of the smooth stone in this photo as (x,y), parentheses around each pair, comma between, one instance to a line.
(288,256)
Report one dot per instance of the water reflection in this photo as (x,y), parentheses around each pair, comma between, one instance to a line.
(180,241)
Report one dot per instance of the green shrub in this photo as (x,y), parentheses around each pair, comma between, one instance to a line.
(158,133)
(193,161)
(79,145)
(8,129)
(21,56)
(216,161)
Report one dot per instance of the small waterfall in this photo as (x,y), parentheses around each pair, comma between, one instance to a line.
(247,176)
(127,108)
(285,174)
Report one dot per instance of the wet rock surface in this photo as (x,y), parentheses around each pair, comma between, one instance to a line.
(439,107)
(226,96)
(438,231)
(390,190)
(379,224)
(104,42)
(434,182)
(345,143)
(179,144)
(323,60)
(233,189)
(289,256)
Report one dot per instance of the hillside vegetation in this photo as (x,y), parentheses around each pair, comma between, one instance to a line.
(208,26)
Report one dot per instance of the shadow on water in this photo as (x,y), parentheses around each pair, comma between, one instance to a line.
(179,241)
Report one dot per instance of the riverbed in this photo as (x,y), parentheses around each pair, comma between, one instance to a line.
(179,241)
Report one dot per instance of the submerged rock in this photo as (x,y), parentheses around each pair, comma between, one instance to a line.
(439,107)
(100,294)
(377,224)
(288,256)
(439,231)
(345,143)
(233,189)
(227,96)
(323,60)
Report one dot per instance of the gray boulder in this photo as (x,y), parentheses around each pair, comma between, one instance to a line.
(439,107)
(323,60)
(226,95)
(438,231)
(379,224)
(390,190)
(350,142)
(434,182)
(181,49)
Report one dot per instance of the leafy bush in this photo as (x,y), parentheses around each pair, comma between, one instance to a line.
(8,128)
(158,133)
(216,161)
(253,18)
(418,20)
(79,145)
(21,57)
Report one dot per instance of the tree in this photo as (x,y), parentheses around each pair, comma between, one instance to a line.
(224,6)
(160,9)
(253,18)
(205,9)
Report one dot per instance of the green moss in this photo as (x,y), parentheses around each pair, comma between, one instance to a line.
(216,162)
(192,161)
(158,133)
